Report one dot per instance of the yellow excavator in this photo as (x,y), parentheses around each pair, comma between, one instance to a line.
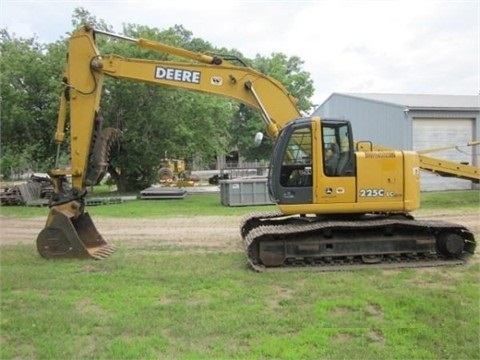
(341,204)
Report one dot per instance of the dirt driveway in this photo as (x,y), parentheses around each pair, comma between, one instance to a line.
(218,233)
(205,231)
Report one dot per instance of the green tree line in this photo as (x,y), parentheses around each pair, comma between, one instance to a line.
(154,120)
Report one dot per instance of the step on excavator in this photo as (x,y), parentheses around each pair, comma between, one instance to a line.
(341,204)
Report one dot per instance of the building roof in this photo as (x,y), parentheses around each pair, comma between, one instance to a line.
(423,101)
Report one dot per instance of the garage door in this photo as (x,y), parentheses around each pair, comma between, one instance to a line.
(433,133)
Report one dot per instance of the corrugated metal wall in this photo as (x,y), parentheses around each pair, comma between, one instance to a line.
(378,122)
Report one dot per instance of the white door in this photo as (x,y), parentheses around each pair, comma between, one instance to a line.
(434,133)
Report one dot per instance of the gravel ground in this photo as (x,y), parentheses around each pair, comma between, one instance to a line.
(218,233)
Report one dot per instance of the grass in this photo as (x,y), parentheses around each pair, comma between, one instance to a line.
(162,303)
(451,199)
(191,205)
(153,305)
(210,205)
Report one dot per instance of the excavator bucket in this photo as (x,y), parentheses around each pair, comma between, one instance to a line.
(67,236)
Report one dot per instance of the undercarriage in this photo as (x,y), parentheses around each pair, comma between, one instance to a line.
(328,243)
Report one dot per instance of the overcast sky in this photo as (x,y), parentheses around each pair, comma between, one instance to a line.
(419,47)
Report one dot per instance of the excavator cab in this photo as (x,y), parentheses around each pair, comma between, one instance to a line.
(316,170)
(311,154)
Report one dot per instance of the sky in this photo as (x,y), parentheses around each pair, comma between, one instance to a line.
(374,46)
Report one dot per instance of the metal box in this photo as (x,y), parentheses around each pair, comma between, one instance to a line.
(244,192)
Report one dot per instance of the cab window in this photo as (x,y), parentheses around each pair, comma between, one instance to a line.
(297,160)
(337,157)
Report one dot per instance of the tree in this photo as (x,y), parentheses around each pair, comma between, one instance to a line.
(248,122)
(157,120)
(29,101)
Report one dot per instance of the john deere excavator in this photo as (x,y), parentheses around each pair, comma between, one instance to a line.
(341,204)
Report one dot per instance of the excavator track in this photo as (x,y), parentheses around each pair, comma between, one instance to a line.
(277,242)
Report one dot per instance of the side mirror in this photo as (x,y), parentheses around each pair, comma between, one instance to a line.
(258,139)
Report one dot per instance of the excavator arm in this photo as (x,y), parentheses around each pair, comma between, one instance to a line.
(69,231)
(86,68)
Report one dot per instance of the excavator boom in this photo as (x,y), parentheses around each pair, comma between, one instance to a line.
(69,231)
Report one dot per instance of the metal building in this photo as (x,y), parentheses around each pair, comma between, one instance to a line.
(414,122)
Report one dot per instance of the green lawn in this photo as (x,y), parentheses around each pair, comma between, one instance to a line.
(211,306)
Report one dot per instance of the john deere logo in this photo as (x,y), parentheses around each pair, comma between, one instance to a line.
(177,75)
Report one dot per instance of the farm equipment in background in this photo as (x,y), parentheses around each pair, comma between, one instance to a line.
(174,172)
(350,210)
(171,169)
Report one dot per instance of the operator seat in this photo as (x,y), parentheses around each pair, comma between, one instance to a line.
(331,163)
(342,162)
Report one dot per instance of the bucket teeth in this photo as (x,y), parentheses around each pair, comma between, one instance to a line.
(102,252)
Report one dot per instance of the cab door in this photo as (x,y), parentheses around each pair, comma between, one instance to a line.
(292,165)
(335,180)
